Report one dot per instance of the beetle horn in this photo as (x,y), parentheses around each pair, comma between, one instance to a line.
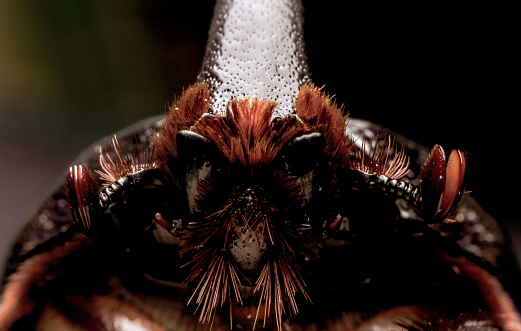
(255,50)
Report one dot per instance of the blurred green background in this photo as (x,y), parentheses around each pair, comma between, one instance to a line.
(74,71)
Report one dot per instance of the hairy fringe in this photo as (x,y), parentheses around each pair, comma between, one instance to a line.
(194,102)
(118,163)
(321,114)
(246,135)
(386,158)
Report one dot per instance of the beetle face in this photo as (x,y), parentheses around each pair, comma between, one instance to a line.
(248,187)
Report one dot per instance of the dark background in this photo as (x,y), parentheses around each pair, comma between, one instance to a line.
(72,72)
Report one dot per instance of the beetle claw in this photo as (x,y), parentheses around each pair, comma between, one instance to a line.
(442,183)
(83,196)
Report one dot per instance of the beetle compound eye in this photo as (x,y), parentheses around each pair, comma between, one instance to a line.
(300,157)
(302,153)
(196,155)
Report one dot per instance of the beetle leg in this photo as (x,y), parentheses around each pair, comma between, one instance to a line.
(83,196)
(441,183)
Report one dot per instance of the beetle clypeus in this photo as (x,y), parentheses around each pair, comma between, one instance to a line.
(257,204)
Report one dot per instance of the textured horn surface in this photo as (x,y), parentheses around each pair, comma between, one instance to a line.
(255,49)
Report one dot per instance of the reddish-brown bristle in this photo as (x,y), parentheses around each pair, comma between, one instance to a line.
(194,102)
(215,286)
(386,158)
(321,114)
(278,283)
(246,135)
(217,278)
(118,163)
(82,190)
